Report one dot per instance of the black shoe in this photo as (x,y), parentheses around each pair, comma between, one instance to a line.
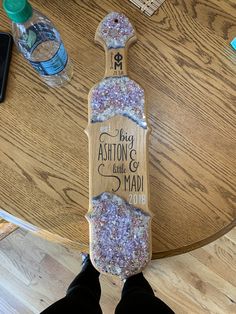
(85,261)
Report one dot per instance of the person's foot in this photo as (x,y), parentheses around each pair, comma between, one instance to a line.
(86,262)
(85,257)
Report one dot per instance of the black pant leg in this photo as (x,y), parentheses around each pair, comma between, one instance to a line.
(139,298)
(87,279)
(82,296)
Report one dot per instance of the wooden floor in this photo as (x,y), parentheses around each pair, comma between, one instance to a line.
(34,273)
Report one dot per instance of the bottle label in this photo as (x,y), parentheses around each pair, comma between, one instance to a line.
(54,65)
(37,34)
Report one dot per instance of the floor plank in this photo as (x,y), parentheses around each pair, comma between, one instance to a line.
(10,304)
(34,273)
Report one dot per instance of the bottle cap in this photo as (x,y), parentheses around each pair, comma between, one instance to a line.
(18,11)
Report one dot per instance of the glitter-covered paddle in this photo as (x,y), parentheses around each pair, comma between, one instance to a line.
(119,216)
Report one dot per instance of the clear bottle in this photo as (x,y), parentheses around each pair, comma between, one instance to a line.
(39,42)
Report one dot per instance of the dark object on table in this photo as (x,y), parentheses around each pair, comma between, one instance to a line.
(5,57)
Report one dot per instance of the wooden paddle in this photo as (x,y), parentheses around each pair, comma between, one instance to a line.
(119,216)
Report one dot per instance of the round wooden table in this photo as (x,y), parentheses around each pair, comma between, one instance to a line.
(190,90)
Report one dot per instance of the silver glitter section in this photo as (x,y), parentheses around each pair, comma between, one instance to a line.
(118,96)
(120,243)
(115,30)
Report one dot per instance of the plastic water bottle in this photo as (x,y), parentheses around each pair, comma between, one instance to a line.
(39,42)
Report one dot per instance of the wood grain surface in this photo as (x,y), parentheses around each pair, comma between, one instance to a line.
(134,189)
(35,273)
(187,68)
